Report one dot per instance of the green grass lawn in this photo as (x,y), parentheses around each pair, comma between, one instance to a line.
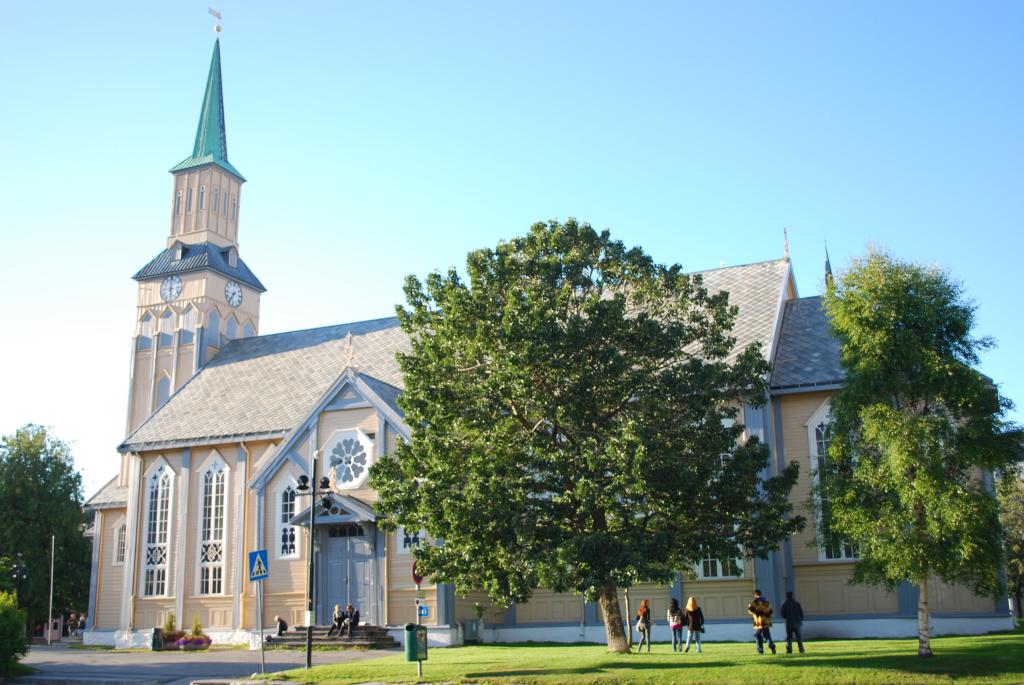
(976,659)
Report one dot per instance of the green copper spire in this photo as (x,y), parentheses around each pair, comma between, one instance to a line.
(211,138)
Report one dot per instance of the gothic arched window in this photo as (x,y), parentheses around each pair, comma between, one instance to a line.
(202,197)
(216,199)
(213,328)
(230,330)
(211,543)
(163,390)
(248,331)
(286,532)
(146,332)
(158,522)
(120,544)
(188,325)
(177,202)
(166,327)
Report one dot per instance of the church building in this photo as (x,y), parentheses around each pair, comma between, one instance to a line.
(223,424)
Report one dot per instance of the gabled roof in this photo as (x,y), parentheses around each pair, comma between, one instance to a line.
(808,355)
(757,289)
(211,145)
(267,385)
(110,496)
(195,257)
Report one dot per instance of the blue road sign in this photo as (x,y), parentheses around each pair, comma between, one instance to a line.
(258,569)
(424,611)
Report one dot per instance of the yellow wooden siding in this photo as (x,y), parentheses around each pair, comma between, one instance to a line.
(720,599)
(109,591)
(546,606)
(796,411)
(825,589)
(955,598)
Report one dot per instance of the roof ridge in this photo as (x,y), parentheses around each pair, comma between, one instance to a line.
(737,266)
(322,328)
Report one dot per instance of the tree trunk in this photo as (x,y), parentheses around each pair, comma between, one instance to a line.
(629,620)
(924,645)
(609,600)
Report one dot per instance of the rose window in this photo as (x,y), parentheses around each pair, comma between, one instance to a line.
(348,458)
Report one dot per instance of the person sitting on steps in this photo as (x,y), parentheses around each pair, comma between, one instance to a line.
(338,620)
(350,621)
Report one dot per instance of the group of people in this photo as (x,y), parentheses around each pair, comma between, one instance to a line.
(344,621)
(760,610)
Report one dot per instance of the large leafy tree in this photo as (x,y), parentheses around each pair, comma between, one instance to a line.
(916,431)
(42,494)
(569,405)
(1011,516)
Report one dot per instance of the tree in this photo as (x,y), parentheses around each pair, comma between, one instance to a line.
(916,431)
(572,408)
(39,485)
(1011,517)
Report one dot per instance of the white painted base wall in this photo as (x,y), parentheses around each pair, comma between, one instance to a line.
(437,636)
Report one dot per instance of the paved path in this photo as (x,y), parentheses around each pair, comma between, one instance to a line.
(58,663)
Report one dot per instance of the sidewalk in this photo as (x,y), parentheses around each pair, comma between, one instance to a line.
(60,665)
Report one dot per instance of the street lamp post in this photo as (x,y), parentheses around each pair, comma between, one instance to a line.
(19,573)
(304,487)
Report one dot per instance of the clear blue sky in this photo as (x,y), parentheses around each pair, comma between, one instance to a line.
(382,139)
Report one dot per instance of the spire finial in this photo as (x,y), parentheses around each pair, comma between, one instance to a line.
(828,268)
(216,28)
(785,241)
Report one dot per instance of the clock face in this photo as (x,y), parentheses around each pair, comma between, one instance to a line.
(233,293)
(170,288)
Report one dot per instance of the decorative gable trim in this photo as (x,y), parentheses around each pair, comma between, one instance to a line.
(350,509)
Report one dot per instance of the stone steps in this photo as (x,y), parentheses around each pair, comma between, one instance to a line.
(363,637)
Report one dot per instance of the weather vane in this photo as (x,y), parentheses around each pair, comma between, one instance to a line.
(215,13)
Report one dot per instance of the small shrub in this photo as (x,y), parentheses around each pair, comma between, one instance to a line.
(197,627)
(13,645)
(170,625)
(196,639)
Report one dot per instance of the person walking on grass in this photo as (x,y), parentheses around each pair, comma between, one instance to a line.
(793,613)
(674,616)
(761,611)
(643,625)
(694,623)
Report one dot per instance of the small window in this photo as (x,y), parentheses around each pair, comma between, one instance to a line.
(216,199)
(234,208)
(188,326)
(224,206)
(177,202)
(146,332)
(120,544)
(166,327)
(288,549)
(720,568)
(346,530)
(202,197)
(188,201)
(248,331)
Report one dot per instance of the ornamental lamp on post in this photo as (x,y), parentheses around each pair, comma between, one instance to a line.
(303,487)
(19,573)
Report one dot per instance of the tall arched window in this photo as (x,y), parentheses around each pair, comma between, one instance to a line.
(213,328)
(163,390)
(248,331)
(211,550)
(224,205)
(158,521)
(146,332)
(234,208)
(120,544)
(188,201)
(202,197)
(166,329)
(188,325)
(230,330)
(216,200)
(289,549)
(177,202)
(819,433)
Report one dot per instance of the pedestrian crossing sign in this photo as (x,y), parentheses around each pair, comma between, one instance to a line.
(258,565)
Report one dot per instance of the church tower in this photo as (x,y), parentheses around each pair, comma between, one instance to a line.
(197,294)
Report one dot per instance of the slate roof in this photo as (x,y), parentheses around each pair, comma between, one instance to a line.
(808,354)
(266,385)
(757,290)
(110,496)
(195,257)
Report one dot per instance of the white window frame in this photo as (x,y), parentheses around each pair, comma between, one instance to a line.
(280,525)
(702,566)
(215,464)
(822,417)
(150,548)
(120,542)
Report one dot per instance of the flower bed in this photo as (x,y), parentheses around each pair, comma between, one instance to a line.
(191,644)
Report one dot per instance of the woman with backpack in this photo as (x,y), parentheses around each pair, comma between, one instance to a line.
(675,623)
(694,623)
(643,625)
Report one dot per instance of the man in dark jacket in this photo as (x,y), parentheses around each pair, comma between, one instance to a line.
(794,615)
(351,620)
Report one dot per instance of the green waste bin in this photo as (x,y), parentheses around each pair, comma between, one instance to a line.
(415,642)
